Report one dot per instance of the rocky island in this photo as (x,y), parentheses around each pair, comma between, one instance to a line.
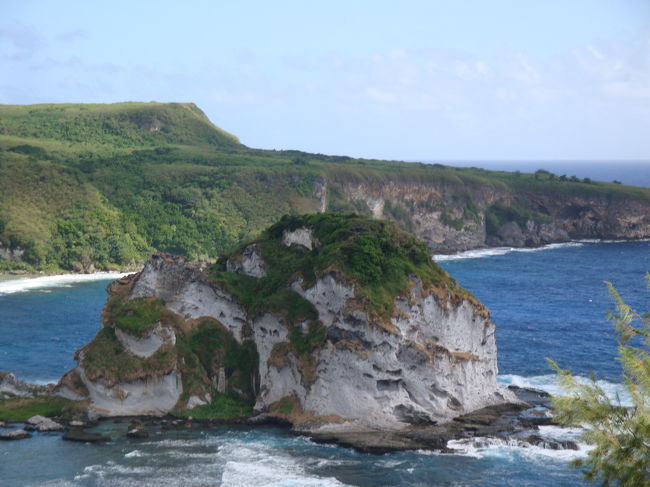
(330,321)
(338,325)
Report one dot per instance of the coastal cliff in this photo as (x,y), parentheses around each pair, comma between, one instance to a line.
(100,187)
(331,322)
(450,218)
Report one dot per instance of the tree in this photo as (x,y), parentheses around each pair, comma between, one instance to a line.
(621,435)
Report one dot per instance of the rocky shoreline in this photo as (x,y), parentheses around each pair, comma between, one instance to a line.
(508,422)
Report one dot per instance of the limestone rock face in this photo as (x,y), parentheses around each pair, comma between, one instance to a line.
(186,292)
(301,237)
(8,253)
(440,215)
(12,386)
(249,263)
(156,395)
(42,424)
(148,345)
(435,364)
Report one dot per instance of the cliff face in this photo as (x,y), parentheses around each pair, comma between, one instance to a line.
(301,325)
(449,218)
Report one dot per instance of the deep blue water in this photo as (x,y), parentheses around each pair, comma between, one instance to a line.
(546,303)
(41,329)
(553,303)
(635,173)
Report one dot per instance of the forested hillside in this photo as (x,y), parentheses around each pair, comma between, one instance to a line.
(86,187)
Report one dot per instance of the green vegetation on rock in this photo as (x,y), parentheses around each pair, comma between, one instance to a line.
(105,357)
(210,347)
(136,316)
(374,254)
(374,257)
(222,407)
(23,408)
(499,213)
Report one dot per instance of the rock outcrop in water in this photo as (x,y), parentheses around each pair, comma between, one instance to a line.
(331,322)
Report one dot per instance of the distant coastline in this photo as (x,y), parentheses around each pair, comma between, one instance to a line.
(633,173)
(491,251)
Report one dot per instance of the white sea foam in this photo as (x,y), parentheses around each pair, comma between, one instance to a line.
(43,283)
(559,433)
(513,448)
(549,383)
(480,447)
(259,464)
(598,240)
(493,251)
(134,454)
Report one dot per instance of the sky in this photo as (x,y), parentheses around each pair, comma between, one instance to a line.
(407,80)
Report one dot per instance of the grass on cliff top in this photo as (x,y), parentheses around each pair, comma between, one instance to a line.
(374,254)
(105,357)
(135,316)
(116,124)
(23,408)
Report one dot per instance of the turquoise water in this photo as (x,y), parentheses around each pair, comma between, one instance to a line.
(546,303)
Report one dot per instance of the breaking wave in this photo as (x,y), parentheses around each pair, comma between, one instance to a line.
(549,383)
(43,284)
(493,251)
(490,252)
(228,460)
(512,448)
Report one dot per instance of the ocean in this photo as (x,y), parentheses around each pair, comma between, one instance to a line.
(634,173)
(547,302)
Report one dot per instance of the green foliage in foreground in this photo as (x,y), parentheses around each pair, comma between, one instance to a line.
(23,408)
(221,407)
(621,436)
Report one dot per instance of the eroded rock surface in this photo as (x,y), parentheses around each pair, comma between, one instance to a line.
(42,424)
(10,386)
(249,262)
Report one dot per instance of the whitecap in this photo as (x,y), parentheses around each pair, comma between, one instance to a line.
(549,383)
(134,454)
(511,448)
(258,464)
(559,433)
(494,251)
(57,281)
(609,241)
